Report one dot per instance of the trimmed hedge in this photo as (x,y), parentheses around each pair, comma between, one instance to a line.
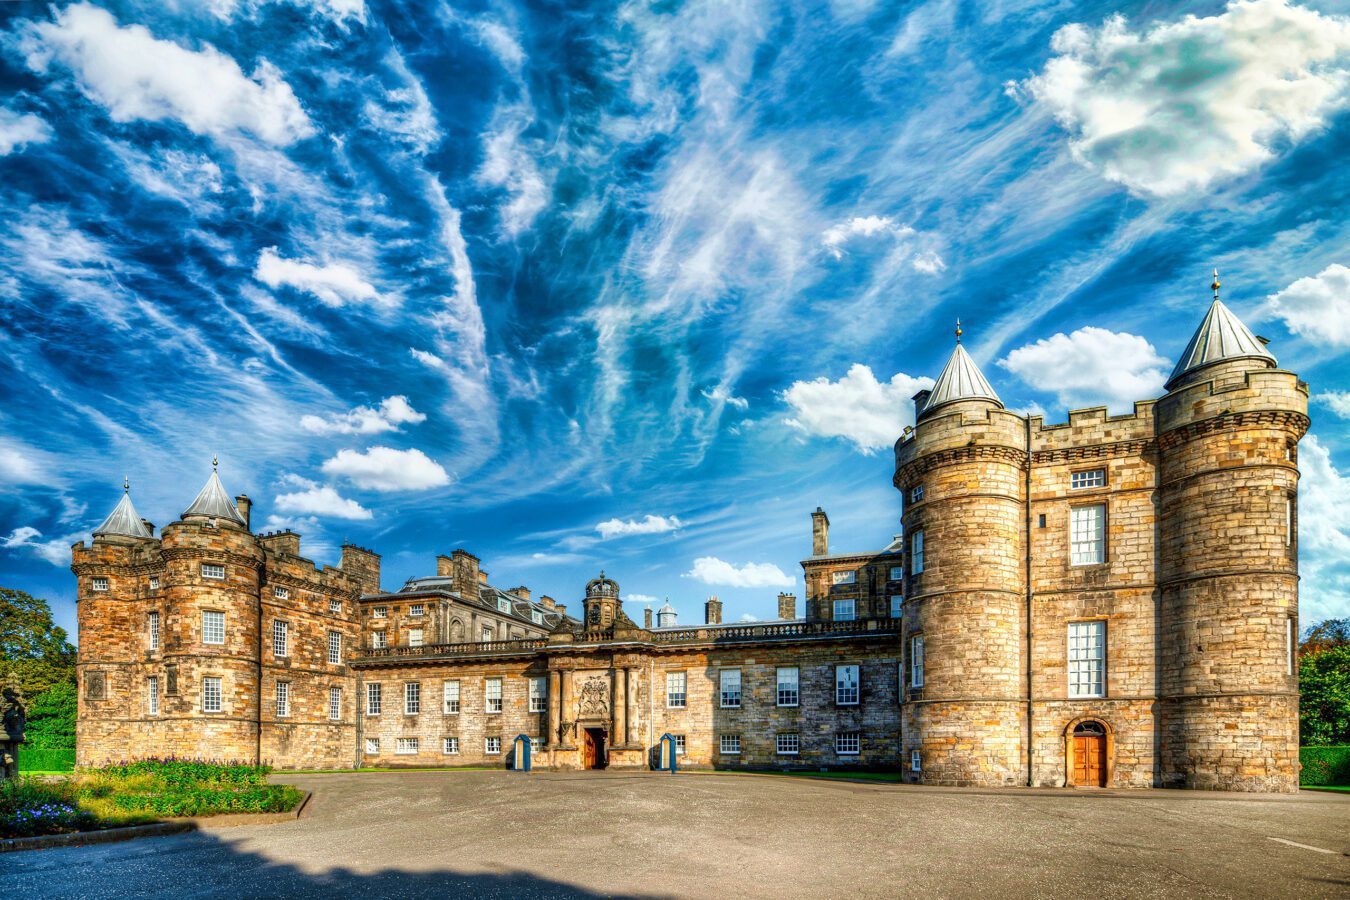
(46,759)
(1325,765)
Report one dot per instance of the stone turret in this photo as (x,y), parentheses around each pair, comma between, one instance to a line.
(1228,430)
(966,591)
(602,603)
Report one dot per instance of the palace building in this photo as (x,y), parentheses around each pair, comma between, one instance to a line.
(1109,601)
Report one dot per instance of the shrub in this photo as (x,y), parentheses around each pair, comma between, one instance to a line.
(1325,765)
(30,807)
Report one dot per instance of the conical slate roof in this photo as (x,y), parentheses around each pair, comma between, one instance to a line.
(1221,336)
(214,502)
(123,520)
(961,379)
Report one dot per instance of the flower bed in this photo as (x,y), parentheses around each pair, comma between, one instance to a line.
(137,792)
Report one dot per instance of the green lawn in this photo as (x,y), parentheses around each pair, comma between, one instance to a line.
(1342,788)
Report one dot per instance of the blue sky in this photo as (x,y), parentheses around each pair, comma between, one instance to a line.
(632,286)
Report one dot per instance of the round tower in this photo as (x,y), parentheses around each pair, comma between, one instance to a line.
(962,475)
(1228,430)
(212,566)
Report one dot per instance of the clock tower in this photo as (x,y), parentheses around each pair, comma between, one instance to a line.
(602,602)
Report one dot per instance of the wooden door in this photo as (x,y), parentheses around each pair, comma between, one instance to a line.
(1089,760)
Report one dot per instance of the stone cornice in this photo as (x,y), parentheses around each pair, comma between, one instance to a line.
(922,464)
(1279,418)
(1112,450)
(212,555)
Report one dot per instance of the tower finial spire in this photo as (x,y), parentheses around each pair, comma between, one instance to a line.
(215,462)
(1215,286)
(126,485)
(959,332)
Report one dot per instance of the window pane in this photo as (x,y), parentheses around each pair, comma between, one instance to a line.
(675,690)
(916,661)
(846,685)
(1087,535)
(789,692)
(493,693)
(373,699)
(1087,659)
(916,553)
(844,610)
(452,696)
(731,687)
(213,627)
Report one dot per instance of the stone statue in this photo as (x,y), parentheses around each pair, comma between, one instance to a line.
(12,736)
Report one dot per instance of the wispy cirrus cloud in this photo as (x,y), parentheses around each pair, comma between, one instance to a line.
(649,524)
(334,283)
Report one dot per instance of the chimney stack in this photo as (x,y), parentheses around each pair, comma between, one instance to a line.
(647,617)
(787,606)
(712,611)
(820,533)
(920,400)
(546,601)
(149,526)
(562,610)
(245,506)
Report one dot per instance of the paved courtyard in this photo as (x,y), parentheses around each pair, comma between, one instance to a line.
(497,834)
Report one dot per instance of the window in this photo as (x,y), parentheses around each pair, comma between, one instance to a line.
(1289,644)
(492,745)
(897,573)
(283,698)
(213,571)
(789,686)
(379,640)
(916,493)
(487,633)
(406,746)
(154,582)
(1288,522)
(848,743)
(417,609)
(492,693)
(536,745)
(849,577)
(213,627)
(154,630)
(374,698)
(335,607)
(503,605)
(538,695)
(372,745)
(679,744)
(210,695)
(414,637)
(450,745)
(335,703)
(452,696)
(1087,535)
(280,635)
(536,617)
(281,593)
(675,690)
(846,685)
(914,758)
(897,605)
(844,610)
(730,744)
(788,744)
(916,661)
(152,695)
(916,553)
(412,698)
(1087,659)
(730,681)
(1090,479)
(379,612)
(99,584)
(334,648)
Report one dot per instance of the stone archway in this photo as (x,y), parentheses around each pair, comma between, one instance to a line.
(1083,736)
(456,632)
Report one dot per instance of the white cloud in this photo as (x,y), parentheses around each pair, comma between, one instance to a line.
(640,598)
(387,469)
(430,360)
(1337,401)
(321,501)
(1317,307)
(17,130)
(509,163)
(722,394)
(393,412)
(836,236)
(56,552)
(749,617)
(711,570)
(649,525)
(1323,534)
(137,76)
(19,464)
(857,407)
(335,284)
(1176,107)
(1091,367)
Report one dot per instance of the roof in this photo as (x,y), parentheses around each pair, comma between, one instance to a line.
(1221,336)
(961,379)
(123,520)
(488,598)
(666,609)
(214,502)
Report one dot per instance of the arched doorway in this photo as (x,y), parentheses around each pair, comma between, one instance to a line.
(1088,746)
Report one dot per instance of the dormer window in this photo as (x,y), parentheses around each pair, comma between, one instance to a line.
(503,605)
(536,617)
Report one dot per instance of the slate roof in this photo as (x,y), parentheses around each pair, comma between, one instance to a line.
(123,520)
(961,379)
(214,502)
(1221,336)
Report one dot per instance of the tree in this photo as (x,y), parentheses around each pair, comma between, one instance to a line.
(1324,704)
(34,653)
(1325,635)
(51,717)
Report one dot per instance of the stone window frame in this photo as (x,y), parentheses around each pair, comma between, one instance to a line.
(407,746)
(450,705)
(916,552)
(728,699)
(679,744)
(209,570)
(374,692)
(850,576)
(152,626)
(488,698)
(154,582)
(212,631)
(379,639)
(219,683)
(842,604)
(412,698)
(892,574)
(416,637)
(492,745)
(95,685)
(334,703)
(450,745)
(848,743)
(334,648)
(417,610)
(487,634)
(1104,531)
(1093,478)
(281,592)
(99,584)
(897,605)
(794,743)
(915,761)
(152,695)
(334,607)
(796,689)
(844,690)
(379,612)
(916,651)
(538,693)
(1102,666)
(281,638)
(372,746)
(1291,522)
(916,493)
(283,699)
(682,695)
(729,745)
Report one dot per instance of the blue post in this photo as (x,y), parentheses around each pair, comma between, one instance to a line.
(666,759)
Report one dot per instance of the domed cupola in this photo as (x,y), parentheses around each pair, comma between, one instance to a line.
(960,379)
(123,520)
(214,503)
(1221,337)
(665,616)
(602,601)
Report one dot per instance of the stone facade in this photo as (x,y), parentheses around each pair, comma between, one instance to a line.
(1108,601)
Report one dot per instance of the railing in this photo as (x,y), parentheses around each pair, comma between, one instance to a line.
(452,649)
(775,630)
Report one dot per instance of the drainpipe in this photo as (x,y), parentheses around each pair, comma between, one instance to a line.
(1027,506)
(262,577)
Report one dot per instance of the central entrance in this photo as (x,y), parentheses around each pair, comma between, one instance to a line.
(1089,755)
(593,748)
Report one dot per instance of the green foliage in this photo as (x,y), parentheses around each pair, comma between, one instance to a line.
(46,759)
(34,653)
(31,807)
(1325,635)
(1324,704)
(51,718)
(1325,765)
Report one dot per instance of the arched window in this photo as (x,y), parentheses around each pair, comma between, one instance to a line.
(1089,729)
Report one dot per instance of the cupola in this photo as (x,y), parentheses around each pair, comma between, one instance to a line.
(602,602)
